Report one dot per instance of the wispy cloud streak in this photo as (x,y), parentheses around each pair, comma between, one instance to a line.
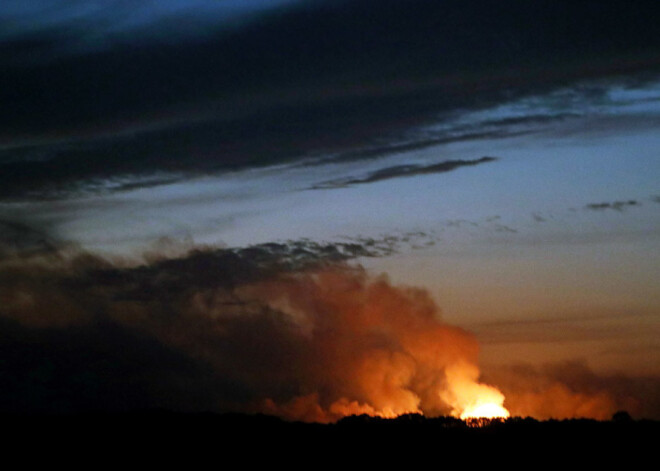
(399,171)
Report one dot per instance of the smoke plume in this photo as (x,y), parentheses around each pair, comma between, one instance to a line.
(293,330)
(571,390)
(273,328)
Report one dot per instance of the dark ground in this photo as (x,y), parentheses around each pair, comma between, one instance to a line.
(166,437)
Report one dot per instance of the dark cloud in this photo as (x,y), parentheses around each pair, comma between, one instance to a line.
(615,205)
(539,218)
(411,142)
(504,228)
(78,26)
(316,76)
(404,171)
(17,237)
(100,366)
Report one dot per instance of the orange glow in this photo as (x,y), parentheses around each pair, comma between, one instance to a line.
(469,398)
(486,410)
(373,348)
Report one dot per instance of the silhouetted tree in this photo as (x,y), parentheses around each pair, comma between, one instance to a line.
(621,417)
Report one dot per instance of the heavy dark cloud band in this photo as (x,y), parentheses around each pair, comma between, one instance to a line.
(307,78)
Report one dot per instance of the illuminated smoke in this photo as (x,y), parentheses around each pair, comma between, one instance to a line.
(271,329)
(469,398)
(568,390)
(371,348)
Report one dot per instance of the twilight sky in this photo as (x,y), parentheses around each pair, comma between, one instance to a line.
(273,205)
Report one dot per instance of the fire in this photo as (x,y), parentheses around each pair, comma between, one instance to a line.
(487,410)
(469,398)
(368,347)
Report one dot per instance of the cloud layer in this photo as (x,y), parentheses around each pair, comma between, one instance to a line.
(304,79)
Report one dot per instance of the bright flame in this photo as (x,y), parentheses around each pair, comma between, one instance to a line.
(469,398)
(486,410)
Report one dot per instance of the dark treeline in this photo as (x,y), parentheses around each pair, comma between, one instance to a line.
(163,432)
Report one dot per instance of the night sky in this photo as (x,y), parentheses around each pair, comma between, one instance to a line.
(315,208)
